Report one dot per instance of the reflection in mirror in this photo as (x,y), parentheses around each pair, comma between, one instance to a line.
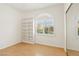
(73,30)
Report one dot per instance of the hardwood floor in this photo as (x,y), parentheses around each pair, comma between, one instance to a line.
(23,49)
(72,53)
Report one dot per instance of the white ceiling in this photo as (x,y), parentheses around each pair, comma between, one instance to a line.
(30,6)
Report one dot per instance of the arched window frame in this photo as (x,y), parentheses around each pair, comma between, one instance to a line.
(35,23)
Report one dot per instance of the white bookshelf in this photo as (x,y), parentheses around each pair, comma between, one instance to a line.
(27,29)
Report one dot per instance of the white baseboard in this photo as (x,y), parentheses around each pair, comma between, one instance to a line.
(49,45)
(28,42)
(43,44)
(9,45)
(73,49)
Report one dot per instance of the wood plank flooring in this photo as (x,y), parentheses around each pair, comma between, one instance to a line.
(72,52)
(23,49)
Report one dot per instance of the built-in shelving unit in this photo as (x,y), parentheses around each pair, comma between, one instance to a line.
(27,29)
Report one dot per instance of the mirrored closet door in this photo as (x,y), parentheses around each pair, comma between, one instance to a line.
(72,17)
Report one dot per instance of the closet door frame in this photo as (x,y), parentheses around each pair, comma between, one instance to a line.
(69,6)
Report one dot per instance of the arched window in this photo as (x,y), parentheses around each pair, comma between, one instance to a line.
(44,24)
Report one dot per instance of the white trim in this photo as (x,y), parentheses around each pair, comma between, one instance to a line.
(50,45)
(9,45)
(67,5)
(28,42)
(34,30)
(65,33)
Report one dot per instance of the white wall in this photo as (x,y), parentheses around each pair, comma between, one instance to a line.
(72,37)
(10,26)
(10,29)
(57,11)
